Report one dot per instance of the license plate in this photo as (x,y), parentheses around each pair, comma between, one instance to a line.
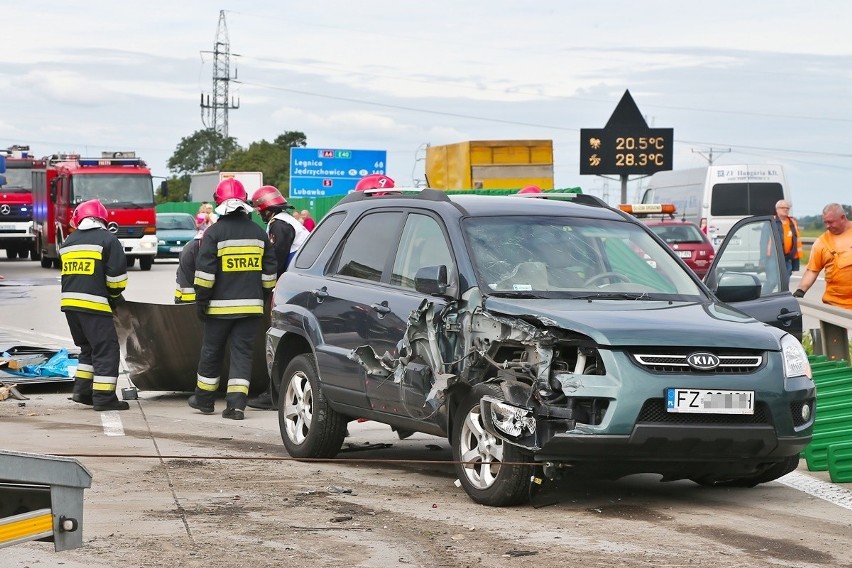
(709,401)
(684,253)
(175,249)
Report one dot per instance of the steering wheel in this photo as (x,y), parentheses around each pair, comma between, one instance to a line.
(603,275)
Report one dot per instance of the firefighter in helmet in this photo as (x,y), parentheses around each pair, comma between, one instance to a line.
(374,181)
(94,274)
(234,274)
(285,232)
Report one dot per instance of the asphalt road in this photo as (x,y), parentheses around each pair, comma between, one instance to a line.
(172,487)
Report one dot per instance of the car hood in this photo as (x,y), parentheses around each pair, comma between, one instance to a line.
(659,323)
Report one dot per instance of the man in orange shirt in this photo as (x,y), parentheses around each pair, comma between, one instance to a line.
(788,229)
(832,251)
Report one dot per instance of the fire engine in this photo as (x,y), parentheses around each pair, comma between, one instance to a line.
(16,203)
(123,184)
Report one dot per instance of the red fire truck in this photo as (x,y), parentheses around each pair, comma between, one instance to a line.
(120,180)
(16,203)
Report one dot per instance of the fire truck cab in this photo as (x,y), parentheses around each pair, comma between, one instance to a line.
(123,184)
(16,202)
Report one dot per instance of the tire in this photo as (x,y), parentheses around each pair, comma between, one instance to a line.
(146,262)
(11,253)
(131,260)
(310,428)
(777,470)
(491,471)
(46,262)
(35,253)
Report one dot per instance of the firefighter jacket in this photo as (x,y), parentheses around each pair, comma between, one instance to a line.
(185,291)
(286,235)
(235,268)
(94,269)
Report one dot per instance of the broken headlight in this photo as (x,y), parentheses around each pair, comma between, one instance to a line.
(511,420)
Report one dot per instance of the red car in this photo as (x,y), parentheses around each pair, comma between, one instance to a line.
(687,240)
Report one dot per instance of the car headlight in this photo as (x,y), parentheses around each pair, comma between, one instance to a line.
(161,242)
(511,420)
(796,361)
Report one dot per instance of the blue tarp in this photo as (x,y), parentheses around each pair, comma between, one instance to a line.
(59,365)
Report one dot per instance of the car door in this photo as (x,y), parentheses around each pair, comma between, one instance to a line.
(422,243)
(753,247)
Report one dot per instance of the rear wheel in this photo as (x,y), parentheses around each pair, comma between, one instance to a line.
(310,428)
(146,262)
(35,252)
(491,471)
(11,253)
(131,260)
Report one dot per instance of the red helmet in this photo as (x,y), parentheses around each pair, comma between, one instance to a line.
(229,188)
(530,189)
(267,196)
(374,181)
(91,208)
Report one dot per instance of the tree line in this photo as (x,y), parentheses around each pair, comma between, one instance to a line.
(209,151)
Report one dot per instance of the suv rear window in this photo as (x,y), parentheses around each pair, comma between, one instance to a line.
(368,247)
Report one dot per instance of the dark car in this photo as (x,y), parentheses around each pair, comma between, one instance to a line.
(174,230)
(532,335)
(688,242)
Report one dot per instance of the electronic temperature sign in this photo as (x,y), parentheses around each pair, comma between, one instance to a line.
(625,146)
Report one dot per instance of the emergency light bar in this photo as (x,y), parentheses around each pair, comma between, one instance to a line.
(88,162)
(648,208)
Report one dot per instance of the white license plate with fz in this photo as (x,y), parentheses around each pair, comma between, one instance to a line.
(709,401)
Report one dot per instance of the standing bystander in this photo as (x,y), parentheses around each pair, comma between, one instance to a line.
(788,230)
(94,274)
(307,220)
(234,274)
(833,252)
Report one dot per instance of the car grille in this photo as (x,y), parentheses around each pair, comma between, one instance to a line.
(130,232)
(738,362)
(654,412)
(17,213)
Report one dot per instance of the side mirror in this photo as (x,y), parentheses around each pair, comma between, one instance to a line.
(431,280)
(738,287)
(164,188)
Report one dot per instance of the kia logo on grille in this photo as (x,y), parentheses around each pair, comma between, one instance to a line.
(702,361)
(5,209)
(112,227)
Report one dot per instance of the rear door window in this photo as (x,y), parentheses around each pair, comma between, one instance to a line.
(369,246)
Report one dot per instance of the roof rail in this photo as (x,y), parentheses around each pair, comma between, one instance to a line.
(426,193)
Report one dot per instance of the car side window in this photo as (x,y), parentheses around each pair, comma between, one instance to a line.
(369,246)
(320,236)
(422,244)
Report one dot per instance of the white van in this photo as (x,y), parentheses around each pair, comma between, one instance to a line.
(716,197)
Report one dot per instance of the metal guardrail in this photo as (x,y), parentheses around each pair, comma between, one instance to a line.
(832,338)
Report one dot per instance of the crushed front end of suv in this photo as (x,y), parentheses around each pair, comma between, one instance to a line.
(538,338)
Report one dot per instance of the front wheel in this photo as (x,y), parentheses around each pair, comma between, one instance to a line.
(491,471)
(131,260)
(146,262)
(310,428)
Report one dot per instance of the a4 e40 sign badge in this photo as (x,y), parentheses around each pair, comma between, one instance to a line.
(625,146)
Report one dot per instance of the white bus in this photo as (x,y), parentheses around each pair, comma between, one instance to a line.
(716,197)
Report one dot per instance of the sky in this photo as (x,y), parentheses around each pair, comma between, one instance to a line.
(763,81)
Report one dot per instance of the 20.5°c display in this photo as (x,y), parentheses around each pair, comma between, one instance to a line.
(605,152)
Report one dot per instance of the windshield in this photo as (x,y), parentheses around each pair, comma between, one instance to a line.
(178,221)
(114,190)
(18,178)
(570,257)
(676,234)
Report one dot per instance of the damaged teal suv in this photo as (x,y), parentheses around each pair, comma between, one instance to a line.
(540,336)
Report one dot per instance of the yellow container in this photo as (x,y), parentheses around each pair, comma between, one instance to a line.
(490,164)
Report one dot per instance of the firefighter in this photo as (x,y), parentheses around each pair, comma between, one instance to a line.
(94,274)
(285,232)
(185,291)
(234,274)
(374,181)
